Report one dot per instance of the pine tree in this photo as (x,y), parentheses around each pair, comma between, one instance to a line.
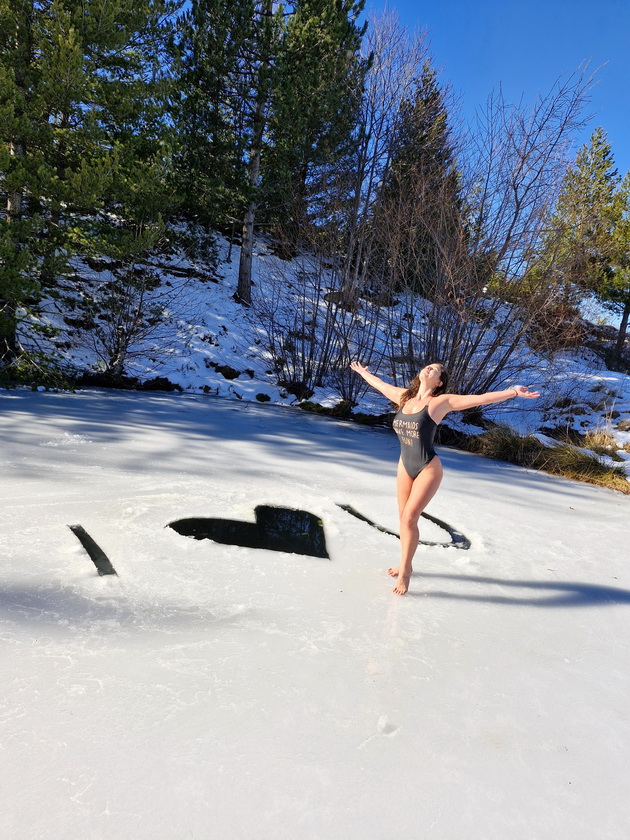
(418,206)
(210,49)
(81,132)
(225,53)
(302,105)
(584,220)
(259,69)
(614,291)
(314,111)
(21,120)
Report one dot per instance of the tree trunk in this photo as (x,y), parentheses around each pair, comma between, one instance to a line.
(621,337)
(244,286)
(8,337)
(9,304)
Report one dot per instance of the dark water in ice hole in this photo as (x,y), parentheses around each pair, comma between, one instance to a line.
(275,529)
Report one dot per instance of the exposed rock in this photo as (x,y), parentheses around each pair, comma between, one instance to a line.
(225,370)
(228,372)
(104,379)
(160,383)
(297,388)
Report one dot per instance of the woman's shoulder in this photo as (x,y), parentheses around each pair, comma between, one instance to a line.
(442,398)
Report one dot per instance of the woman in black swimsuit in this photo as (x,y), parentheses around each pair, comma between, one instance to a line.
(421,408)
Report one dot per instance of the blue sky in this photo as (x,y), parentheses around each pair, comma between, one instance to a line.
(524,46)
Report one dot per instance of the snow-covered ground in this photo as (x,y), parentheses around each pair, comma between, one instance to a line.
(215,691)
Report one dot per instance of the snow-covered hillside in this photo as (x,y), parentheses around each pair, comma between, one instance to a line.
(210,344)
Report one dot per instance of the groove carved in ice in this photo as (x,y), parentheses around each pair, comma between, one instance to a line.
(97,555)
(458,540)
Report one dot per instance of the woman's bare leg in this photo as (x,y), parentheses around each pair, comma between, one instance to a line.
(413,496)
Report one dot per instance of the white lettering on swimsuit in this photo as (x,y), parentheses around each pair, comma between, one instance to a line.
(407,430)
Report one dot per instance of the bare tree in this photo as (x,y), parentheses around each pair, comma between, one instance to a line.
(128,311)
(458,247)
(310,338)
(492,288)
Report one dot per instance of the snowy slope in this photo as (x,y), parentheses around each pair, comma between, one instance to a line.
(209,344)
(215,691)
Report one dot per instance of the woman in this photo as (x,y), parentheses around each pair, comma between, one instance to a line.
(421,408)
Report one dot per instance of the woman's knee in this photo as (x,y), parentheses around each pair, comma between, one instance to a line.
(409,519)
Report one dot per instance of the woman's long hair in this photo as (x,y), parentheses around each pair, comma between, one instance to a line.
(414,386)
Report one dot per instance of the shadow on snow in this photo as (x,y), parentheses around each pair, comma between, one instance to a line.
(553,593)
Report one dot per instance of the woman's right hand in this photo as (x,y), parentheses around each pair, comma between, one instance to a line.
(392,393)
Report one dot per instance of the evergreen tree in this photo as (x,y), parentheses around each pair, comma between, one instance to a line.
(300,113)
(210,49)
(589,234)
(584,220)
(22,121)
(81,133)
(265,103)
(259,70)
(614,291)
(314,111)
(418,208)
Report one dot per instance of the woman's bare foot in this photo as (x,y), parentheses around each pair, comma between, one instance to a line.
(402,584)
(403,574)
(394,571)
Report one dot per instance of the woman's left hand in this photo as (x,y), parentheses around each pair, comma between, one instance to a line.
(357,367)
(523,391)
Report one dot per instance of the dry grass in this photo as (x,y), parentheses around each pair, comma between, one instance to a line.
(600,441)
(566,460)
(570,462)
(502,443)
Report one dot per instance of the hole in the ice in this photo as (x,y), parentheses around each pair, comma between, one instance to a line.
(275,529)
(458,540)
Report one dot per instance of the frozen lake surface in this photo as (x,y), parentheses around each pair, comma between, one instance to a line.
(221,691)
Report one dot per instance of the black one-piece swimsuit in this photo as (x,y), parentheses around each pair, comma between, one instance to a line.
(415,432)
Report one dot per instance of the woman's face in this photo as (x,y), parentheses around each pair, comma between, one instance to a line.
(431,375)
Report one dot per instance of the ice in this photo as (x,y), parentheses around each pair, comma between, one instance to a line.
(217,691)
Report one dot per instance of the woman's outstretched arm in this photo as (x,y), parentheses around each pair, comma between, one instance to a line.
(390,391)
(460,402)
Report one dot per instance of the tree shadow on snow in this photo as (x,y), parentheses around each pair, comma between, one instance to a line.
(182,431)
(62,608)
(552,594)
(193,428)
